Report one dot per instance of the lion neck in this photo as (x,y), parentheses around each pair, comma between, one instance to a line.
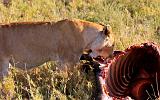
(89,39)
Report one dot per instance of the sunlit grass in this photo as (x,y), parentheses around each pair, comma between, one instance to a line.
(133,21)
(46,83)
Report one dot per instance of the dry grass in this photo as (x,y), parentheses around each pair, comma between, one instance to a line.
(133,21)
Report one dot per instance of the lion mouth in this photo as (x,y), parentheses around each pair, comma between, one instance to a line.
(90,56)
(98,61)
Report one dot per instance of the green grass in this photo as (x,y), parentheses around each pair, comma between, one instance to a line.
(133,21)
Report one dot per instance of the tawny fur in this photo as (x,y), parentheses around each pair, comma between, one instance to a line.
(26,45)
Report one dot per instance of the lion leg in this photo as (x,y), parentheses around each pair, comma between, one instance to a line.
(4,65)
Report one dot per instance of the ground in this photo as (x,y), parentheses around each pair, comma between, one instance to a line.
(133,21)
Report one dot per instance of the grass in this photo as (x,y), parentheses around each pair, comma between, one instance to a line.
(133,21)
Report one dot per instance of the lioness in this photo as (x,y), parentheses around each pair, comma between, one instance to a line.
(26,45)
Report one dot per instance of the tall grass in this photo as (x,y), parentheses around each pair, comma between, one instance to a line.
(133,21)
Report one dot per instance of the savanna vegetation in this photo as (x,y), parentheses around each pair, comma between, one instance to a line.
(133,21)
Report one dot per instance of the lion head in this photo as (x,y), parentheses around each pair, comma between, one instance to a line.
(103,44)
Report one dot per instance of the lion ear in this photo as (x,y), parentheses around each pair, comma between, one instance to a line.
(107,30)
